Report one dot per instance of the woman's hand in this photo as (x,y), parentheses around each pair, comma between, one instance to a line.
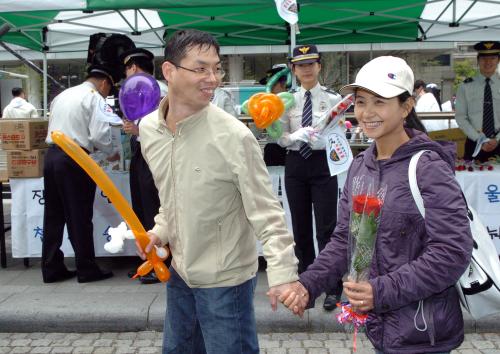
(360,295)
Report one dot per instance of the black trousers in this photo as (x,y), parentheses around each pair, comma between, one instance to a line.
(308,183)
(69,200)
(145,198)
(483,156)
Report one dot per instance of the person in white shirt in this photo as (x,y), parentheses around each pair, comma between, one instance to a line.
(19,107)
(308,181)
(426,102)
(81,113)
(223,99)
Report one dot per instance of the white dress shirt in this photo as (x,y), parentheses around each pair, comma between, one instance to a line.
(81,113)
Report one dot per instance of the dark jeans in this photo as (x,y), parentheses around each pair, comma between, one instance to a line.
(209,320)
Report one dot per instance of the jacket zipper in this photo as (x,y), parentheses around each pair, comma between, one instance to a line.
(219,241)
(174,194)
(379,172)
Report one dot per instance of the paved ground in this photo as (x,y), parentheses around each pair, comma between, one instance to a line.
(150,342)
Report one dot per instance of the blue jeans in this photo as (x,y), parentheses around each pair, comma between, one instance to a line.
(209,320)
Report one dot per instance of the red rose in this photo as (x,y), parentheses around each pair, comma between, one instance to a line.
(363,204)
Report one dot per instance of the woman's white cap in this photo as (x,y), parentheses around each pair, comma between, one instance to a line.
(384,76)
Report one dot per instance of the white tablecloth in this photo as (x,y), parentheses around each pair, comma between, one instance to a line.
(482,190)
(27,215)
(27,218)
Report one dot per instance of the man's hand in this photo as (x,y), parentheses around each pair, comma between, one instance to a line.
(490,145)
(154,240)
(130,128)
(295,298)
(275,291)
(360,295)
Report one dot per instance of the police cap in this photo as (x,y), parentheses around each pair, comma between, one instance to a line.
(271,72)
(114,75)
(487,48)
(305,54)
(125,57)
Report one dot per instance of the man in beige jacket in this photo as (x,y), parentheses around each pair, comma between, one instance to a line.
(216,200)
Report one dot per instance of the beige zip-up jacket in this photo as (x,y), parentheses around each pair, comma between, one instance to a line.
(216,199)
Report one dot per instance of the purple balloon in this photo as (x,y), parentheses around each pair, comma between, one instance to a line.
(139,95)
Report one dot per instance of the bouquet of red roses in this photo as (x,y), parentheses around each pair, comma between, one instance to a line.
(367,203)
(365,215)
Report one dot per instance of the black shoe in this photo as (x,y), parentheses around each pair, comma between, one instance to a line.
(103,274)
(149,278)
(331,302)
(68,274)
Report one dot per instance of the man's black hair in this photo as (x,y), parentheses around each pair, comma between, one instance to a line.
(143,63)
(17,91)
(182,41)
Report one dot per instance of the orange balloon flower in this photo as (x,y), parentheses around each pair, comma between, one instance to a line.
(265,108)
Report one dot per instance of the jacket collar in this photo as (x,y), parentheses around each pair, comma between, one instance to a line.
(184,124)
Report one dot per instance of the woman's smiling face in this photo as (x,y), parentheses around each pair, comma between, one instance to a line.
(380,118)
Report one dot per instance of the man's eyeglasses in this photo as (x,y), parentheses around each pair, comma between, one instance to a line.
(204,72)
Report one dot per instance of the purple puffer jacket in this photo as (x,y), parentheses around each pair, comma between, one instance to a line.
(416,261)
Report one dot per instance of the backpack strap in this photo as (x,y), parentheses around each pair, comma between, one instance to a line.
(412,178)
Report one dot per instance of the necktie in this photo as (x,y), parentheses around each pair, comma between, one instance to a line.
(488,118)
(305,150)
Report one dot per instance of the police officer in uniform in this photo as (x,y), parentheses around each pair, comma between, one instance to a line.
(478,103)
(145,199)
(307,177)
(82,114)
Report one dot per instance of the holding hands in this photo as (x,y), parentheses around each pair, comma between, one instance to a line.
(295,296)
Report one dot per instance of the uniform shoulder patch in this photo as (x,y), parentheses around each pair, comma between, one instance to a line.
(469,79)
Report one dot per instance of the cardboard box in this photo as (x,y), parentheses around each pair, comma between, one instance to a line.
(23,164)
(4,176)
(455,134)
(23,134)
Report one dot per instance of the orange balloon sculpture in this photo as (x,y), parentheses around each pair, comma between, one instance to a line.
(104,182)
(265,108)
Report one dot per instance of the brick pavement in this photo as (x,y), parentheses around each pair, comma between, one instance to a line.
(150,343)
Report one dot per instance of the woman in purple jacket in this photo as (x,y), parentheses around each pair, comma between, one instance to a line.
(410,298)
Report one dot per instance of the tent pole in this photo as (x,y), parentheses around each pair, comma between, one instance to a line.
(45,84)
(293,34)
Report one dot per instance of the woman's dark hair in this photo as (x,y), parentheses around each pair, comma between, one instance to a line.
(177,47)
(412,120)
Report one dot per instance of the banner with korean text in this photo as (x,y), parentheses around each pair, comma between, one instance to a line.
(27,218)
(482,190)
